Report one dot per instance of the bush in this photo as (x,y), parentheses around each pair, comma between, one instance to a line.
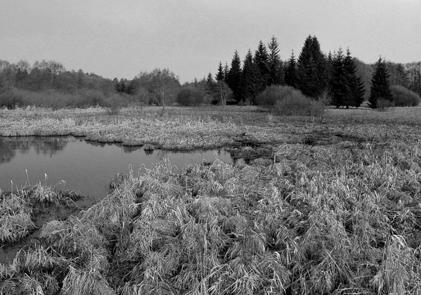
(9,99)
(272,94)
(298,104)
(56,100)
(190,97)
(403,97)
(384,104)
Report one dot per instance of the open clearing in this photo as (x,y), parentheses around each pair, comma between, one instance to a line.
(324,205)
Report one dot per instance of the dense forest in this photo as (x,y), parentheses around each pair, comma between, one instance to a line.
(336,78)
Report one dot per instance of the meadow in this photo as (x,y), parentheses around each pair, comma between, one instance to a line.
(326,205)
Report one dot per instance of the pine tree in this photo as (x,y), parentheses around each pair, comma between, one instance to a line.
(311,69)
(291,72)
(220,75)
(234,77)
(274,63)
(380,85)
(251,80)
(261,59)
(338,86)
(355,96)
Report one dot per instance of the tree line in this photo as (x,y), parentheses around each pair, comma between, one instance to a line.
(337,78)
(46,75)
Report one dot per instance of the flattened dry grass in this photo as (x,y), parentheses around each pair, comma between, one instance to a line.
(330,219)
(206,127)
(177,133)
(15,218)
(16,210)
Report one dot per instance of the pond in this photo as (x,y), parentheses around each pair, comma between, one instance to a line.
(69,163)
(82,166)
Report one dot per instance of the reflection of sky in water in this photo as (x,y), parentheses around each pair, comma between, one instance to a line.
(85,167)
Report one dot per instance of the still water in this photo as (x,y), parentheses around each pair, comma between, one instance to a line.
(75,164)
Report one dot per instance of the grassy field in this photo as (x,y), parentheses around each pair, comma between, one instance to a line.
(334,208)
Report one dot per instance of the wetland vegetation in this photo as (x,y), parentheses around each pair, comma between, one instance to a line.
(322,205)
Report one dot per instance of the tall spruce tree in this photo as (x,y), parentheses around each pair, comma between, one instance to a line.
(226,71)
(338,86)
(261,59)
(356,90)
(329,66)
(274,63)
(291,72)
(311,69)
(251,82)
(220,75)
(380,88)
(234,77)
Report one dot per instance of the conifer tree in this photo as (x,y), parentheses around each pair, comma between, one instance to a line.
(338,86)
(226,71)
(311,69)
(221,87)
(234,77)
(209,79)
(261,59)
(274,63)
(220,75)
(251,80)
(380,85)
(356,89)
(210,84)
(329,67)
(291,72)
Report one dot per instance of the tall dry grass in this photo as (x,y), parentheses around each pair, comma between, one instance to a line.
(341,218)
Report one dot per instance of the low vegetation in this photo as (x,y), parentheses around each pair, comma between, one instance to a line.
(403,97)
(56,100)
(273,94)
(190,97)
(299,105)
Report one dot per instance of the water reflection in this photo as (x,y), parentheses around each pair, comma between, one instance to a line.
(87,167)
(41,145)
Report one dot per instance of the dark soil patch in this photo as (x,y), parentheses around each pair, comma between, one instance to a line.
(328,138)
(249,153)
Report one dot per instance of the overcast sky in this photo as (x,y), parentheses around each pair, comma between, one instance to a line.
(121,38)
